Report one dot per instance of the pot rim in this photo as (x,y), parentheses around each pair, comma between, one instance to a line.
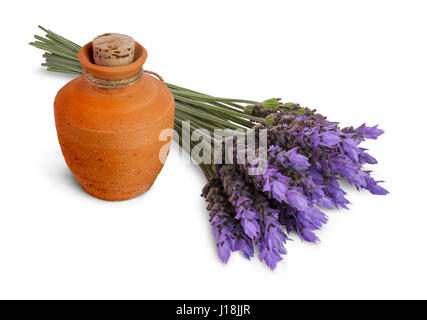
(112,73)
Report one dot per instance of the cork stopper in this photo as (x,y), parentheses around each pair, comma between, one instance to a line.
(113,49)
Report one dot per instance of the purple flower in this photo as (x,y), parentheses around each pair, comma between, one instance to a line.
(228,232)
(373,187)
(329,138)
(297,200)
(298,161)
(250,226)
(303,223)
(314,137)
(364,157)
(369,132)
(271,240)
(351,149)
(274,183)
(240,197)
(224,250)
(244,244)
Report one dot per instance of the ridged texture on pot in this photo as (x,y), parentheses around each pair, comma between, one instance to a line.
(110,137)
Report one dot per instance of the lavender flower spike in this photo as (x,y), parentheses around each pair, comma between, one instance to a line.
(271,240)
(240,197)
(229,234)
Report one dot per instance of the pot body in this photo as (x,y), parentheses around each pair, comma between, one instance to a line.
(110,137)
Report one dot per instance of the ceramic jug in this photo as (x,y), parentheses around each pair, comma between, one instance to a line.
(108,123)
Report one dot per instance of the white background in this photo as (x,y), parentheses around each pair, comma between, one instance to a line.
(354,61)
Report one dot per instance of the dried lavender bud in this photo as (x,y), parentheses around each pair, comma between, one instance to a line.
(271,240)
(227,230)
(240,197)
(271,104)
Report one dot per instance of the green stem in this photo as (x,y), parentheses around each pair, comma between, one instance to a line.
(207,170)
(55,50)
(208,98)
(204,115)
(201,124)
(60,39)
(178,96)
(54,44)
(58,59)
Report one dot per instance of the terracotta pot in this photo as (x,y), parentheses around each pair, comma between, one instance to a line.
(110,137)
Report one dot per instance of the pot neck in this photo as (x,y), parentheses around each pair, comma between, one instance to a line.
(118,77)
(131,89)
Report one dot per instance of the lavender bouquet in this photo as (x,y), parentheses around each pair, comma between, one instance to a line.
(307,155)
(258,202)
